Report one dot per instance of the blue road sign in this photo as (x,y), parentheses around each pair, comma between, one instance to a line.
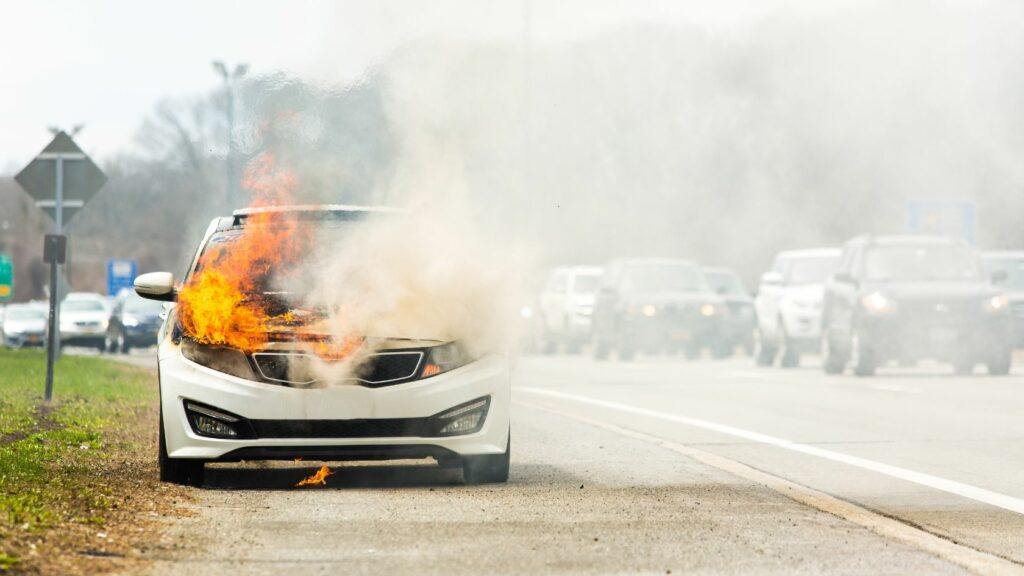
(120,275)
(953,218)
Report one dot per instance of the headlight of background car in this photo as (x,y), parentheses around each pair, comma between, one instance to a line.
(878,303)
(441,359)
(226,360)
(996,304)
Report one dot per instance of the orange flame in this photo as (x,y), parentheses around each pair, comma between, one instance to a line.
(317,479)
(220,304)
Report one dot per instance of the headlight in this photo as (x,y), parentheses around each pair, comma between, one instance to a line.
(997,304)
(708,309)
(878,303)
(526,312)
(219,358)
(440,359)
(649,310)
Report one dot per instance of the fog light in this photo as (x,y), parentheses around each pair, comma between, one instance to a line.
(210,427)
(464,419)
(207,421)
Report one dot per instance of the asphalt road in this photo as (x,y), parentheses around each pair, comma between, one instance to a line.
(713,467)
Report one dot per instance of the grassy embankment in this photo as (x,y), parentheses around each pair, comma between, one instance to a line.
(76,471)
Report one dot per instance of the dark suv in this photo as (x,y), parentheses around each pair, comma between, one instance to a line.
(656,305)
(905,298)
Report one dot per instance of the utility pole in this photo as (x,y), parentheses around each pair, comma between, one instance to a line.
(230,80)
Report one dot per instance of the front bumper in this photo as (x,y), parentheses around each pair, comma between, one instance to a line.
(658,331)
(181,380)
(20,339)
(896,338)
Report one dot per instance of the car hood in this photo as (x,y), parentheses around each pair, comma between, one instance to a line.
(805,292)
(932,290)
(666,298)
(83,316)
(13,326)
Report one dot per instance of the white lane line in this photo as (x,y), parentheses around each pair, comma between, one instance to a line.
(950,486)
(976,561)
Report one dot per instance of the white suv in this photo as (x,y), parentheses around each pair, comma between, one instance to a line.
(414,398)
(566,306)
(788,305)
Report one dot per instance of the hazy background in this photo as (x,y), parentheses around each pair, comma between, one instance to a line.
(722,132)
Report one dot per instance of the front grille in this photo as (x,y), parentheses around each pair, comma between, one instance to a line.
(940,312)
(366,428)
(380,369)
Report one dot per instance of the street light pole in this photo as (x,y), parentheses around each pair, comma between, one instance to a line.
(230,79)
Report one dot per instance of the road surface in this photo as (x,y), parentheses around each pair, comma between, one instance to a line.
(658,466)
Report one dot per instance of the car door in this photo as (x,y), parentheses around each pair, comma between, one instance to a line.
(553,300)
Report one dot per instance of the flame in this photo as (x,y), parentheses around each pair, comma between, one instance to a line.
(221,304)
(317,479)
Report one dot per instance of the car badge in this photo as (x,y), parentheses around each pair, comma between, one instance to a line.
(941,308)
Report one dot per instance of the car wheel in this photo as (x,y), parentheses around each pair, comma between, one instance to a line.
(626,353)
(177,470)
(1000,366)
(963,366)
(765,352)
(862,357)
(723,349)
(123,346)
(834,362)
(601,349)
(487,469)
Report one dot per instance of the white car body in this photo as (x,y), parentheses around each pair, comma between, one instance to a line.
(333,408)
(567,303)
(788,306)
(23,325)
(84,327)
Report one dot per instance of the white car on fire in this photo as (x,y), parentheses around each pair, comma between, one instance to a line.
(413,399)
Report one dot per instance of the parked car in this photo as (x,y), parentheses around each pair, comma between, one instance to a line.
(83,320)
(905,298)
(788,305)
(133,323)
(566,305)
(414,398)
(1007,271)
(23,325)
(738,325)
(656,305)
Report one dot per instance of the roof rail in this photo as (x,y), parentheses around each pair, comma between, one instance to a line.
(315,211)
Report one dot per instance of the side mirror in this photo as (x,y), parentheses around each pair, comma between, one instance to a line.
(156,286)
(771,279)
(843,278)
(999,276)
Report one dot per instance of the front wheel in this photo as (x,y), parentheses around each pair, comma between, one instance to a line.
(178,470)
(834,362)
(765,355)
(864,360)
(1000,366)
(488,468)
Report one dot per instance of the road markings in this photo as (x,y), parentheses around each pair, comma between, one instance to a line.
(950,486)
(974,560)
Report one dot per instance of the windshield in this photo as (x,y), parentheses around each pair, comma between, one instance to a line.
(938,262)
(586,283)
(25,314)
(143,307)
(663,278)
(725,283)
(1014,268)
(81,306)
(808,269)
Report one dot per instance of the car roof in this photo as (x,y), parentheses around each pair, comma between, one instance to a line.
(907,240)
(810,253)
(580,270)
(655,261)
(1003,254)
(719,270)
(85,296)
(317,211)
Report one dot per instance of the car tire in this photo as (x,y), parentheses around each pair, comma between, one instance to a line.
(601,349)
(186,472)
(834,362)
(1000,366)
(964,366)
(864,361)
(488,468)
(626,353)
(124,347)
(765,353)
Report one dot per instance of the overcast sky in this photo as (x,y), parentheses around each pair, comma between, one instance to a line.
(105,64)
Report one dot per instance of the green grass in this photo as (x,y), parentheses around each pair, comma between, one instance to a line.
(49,453)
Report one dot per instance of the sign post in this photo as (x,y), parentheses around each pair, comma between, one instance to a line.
(61,179)
(54,252)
